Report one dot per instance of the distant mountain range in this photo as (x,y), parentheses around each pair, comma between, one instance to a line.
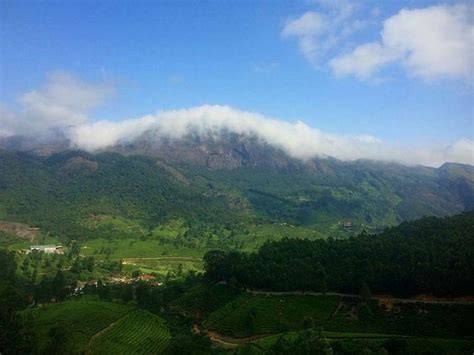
(226,179)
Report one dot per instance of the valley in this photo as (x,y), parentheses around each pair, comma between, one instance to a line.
(283,177)
(236,258)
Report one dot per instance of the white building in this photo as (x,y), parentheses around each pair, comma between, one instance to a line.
(48,249)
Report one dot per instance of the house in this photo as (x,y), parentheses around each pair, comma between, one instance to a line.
(48,249)
(146,278)
(348,224)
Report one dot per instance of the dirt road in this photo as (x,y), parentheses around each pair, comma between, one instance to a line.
(383,298)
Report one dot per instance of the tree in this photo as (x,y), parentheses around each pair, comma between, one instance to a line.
(74,250)
(102,290)
(76,266)
(57,339)
(126,293)
(59,286)
(308,322)
(250,321)
(214,264)
(8,266)
(88,263)
(365,294)
(43,292)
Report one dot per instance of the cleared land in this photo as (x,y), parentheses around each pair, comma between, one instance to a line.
(132,248)
(164,265)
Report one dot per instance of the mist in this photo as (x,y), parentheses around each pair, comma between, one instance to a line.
(65,102)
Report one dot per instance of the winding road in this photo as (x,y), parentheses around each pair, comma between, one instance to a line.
(386,298)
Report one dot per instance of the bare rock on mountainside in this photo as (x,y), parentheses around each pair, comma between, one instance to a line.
(228,151)
(78,163)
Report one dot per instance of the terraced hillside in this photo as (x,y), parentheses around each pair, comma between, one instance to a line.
(365,343)
(261,314)
(253,315)
(96,327)
(138,332)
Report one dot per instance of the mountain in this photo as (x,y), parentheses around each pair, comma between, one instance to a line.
(229,180)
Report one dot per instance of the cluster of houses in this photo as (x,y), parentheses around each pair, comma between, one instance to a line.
(47,249)
(117,279)
(347,224)
(125,279)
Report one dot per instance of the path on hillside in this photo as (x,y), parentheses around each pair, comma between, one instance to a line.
(164,258)
(103,330)
(232,342)
(383,298)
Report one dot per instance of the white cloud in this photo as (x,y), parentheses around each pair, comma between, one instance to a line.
(318,32)
(363,61)
(297,139)
(63,101)
(306,28)
(430,43)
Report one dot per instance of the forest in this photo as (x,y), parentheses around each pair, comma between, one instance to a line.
(431,255)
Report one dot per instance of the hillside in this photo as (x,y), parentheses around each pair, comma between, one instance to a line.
(96,327)
(280,297)
(428,256)
(220,183)
(62,192)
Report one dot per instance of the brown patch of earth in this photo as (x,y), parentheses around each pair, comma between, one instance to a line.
(20,230)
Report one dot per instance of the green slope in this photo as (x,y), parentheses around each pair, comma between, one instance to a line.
(79,195)
(97,327)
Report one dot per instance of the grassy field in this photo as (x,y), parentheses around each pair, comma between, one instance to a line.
(87,320)
(113,226)
(133,248)
(174,265)
(259,314)
(170,230)
(256,235)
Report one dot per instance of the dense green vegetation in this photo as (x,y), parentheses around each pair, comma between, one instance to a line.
(77,195)
(139,332)
(431,255)
(250,315)
(97,327)
(66,194)
(15,337)
(64,325)
(353,343)
(137,232)
(247,315)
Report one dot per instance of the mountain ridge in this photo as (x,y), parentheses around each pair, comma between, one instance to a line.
(225,150)
(232,182)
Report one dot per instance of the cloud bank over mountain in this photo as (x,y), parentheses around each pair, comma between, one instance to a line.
(65,102)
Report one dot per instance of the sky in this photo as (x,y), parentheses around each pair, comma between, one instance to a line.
(357,79)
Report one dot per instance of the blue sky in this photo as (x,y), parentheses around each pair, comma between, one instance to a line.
(179,54)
